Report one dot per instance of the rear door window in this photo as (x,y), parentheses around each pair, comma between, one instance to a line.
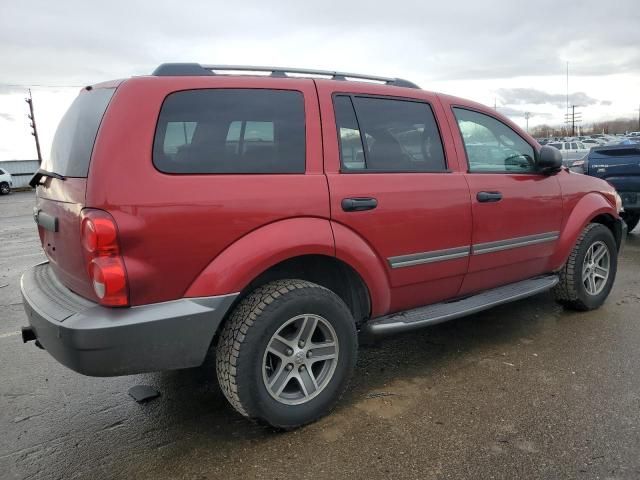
(231,131)
(73,141)
(388,135)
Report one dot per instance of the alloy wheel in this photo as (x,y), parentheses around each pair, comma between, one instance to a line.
(300,359)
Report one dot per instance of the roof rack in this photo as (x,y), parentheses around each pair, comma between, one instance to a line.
(196,69)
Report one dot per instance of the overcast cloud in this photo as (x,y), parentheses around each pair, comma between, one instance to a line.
(512,53)
(532,96)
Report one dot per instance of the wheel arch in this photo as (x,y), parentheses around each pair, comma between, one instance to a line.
(326,271)
(591,208)
(352,271)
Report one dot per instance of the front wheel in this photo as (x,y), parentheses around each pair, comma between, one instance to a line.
(286,354)
(631,219)
(587,277)
(5,189)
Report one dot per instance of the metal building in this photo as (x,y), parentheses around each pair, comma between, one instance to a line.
(21,171)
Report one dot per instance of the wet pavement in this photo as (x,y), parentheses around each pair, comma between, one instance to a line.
(525,390)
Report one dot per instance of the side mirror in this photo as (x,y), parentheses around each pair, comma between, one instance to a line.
(549,159)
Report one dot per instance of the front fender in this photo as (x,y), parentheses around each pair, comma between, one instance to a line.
(586,209)
(236,266)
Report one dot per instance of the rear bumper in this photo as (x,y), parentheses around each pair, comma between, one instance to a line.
(101,341)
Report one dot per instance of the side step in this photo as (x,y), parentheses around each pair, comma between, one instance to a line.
(441,312)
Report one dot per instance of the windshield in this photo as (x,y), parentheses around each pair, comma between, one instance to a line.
(73,142)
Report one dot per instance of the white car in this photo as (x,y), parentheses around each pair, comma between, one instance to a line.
(571,151)
(6,182)
(593,142)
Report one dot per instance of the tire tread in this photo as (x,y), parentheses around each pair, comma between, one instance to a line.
(565,291)
(234,336)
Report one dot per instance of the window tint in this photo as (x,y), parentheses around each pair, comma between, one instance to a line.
(491,145)
(388,135)
(231,131)
(73,142)
(177,135)
(1,172)
(574,146)
(556,145)
(351,149)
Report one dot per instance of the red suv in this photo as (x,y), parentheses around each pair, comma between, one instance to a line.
(270,218)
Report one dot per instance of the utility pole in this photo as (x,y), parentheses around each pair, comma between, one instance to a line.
(34,132)
(567,112)
(573,118)
(527,116)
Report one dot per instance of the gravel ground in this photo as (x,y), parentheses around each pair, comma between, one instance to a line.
(525,390)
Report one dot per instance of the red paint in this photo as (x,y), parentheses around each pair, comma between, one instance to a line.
(200,235)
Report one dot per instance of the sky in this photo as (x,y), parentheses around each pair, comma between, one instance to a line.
(512,54)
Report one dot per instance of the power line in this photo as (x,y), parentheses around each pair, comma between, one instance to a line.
(36,85)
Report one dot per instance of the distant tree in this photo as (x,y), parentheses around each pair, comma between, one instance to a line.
(619,125)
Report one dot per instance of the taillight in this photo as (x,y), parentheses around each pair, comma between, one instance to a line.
(104,261)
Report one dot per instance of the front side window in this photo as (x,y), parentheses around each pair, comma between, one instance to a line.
(387,135)
(491,145)
(231,131)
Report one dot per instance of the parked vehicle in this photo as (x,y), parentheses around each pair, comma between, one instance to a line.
(620,166)
(6,182)
(593,142)
(269,219)
(571,151)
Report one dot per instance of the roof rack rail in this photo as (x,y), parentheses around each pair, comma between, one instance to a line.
(196,69)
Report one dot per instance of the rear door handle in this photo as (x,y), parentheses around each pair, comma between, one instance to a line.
(358,204)
(489,196)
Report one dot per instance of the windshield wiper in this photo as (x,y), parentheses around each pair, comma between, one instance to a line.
(35,180)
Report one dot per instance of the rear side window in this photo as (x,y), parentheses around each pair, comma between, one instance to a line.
(231,131)
(73,142)
(387,135)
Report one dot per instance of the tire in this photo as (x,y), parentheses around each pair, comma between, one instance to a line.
(5,189)
(572,291)
(631,219)
(246,367)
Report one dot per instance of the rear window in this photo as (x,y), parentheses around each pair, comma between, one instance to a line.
(73,142)
(231,131)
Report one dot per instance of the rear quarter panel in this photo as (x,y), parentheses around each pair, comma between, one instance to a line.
(171,227)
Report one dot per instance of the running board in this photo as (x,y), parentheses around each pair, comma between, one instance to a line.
(441,312)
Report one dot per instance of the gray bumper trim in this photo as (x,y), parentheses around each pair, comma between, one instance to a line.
(102,341)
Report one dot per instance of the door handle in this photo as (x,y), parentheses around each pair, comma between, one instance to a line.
(358,204)
(489,196)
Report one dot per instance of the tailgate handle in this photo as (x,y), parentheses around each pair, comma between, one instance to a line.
(46,221)
(358,204)
(489,196)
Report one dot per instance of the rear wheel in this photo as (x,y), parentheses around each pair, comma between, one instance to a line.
(286,354)
(587,277)
(5,189)
(631,219)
